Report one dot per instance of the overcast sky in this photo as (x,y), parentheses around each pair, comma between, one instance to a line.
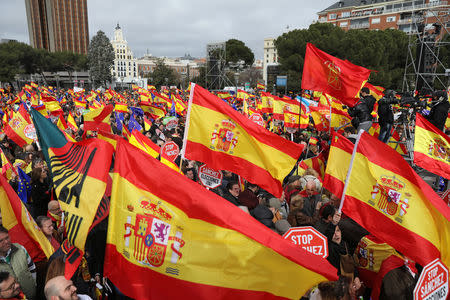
(175,27)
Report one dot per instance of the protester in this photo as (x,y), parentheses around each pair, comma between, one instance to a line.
(248,196)
(9,287)
(15,260)
(232,193)
(62,289)
(40,191)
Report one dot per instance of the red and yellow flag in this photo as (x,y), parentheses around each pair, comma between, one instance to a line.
(20,130)
(224,139)
(260,86)
(121,107)
(321,117)
(337,164)
(166,231)
(6,167)
(317,163)
(431,148)
(71,122)
(266,102)
(98,119)
(21,226)
(326,73)
(387,197)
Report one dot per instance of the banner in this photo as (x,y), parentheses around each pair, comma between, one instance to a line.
(431,148)
(79,172)
(171,238)
(387,197)
(224,139)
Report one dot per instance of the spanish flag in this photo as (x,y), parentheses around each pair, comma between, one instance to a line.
(121,107)
(109,138)
(385,196)
(321,117)
(172,238)
(338,161)
(79,172)
(316,163)
(98,119)
(339,118)
(431,148)
(224,139)
(266,102)
(242,95)
(260,86)
(336,77)
(281,105)
(19,128)
(294,120)
(7,168)
(21,226)
(71,122)
(154,111)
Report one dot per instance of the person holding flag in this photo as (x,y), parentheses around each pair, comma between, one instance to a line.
(361,111)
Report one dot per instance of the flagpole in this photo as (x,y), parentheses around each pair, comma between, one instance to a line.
(188,116)
(350,167)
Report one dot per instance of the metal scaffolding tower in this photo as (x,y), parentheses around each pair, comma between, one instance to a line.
(424,69)
(215,66)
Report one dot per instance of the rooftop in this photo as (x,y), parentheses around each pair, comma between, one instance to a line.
(350,3)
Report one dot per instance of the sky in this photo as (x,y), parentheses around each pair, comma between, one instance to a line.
(173,28)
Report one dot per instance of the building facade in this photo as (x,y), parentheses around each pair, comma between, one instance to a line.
(270,58)
(383,14)
(58,25)
(125,68)
(185,67)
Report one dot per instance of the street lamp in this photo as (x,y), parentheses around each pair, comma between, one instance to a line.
(57,80)
(166,80)
(121,84)
(236,78)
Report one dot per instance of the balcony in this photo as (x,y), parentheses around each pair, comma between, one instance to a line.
(409,21)
(359,26)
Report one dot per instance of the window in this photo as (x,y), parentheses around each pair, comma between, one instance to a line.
(345,14)
(332,16)
(343,24)
(390,19)
(375,20)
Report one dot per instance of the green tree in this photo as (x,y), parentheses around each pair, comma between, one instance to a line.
(384,51)
(201,78)
(236,50)
(100,59)
(161,72)
(16,58)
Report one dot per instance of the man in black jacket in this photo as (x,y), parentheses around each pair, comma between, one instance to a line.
(439,112)
(385,119)
(361,112)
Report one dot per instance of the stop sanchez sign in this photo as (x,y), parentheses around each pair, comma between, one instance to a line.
(433,282)
(209,177)
(258,119)
(170,150)
(308,238)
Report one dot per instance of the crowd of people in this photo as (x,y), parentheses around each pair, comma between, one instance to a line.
(304,202)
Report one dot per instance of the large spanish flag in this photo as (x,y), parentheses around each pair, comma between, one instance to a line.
(21,225)
(79,172)
(338,162)
(326,73)
(431,148)
(224,139)
(171,239)
(385,196)
(98,119)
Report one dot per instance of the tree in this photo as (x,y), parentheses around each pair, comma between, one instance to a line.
(161,72)
(383,51)
(16,58)
(201,78)
(251,75)
(100,59)
(236,51)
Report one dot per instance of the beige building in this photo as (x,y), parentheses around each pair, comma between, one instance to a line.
(124,69)
(270,56)
(184,66)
